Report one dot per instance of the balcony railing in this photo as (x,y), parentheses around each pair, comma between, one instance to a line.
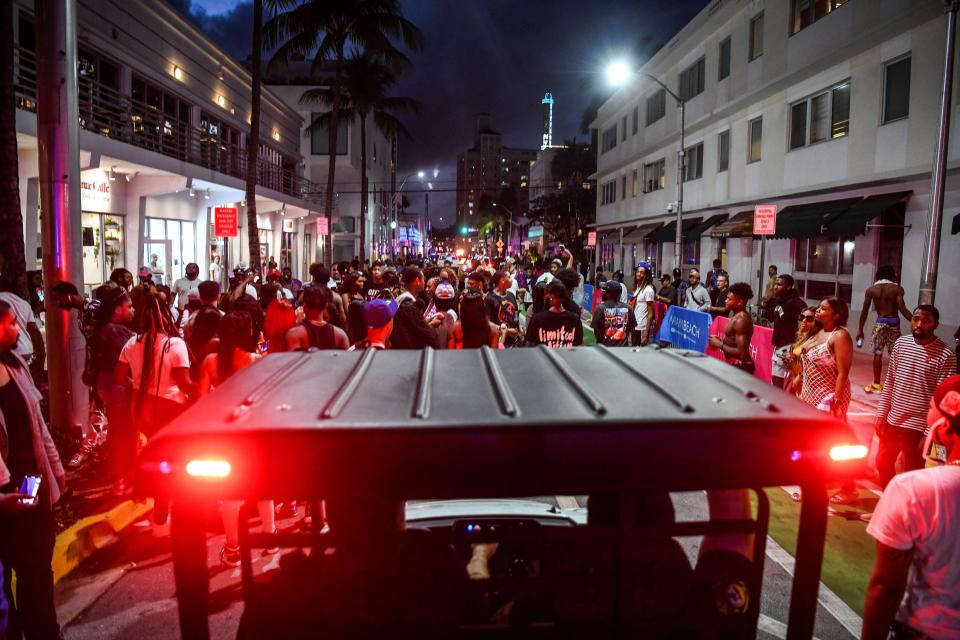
(106,111)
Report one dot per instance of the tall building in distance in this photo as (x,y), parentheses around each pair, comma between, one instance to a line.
(547,106)
(488,168)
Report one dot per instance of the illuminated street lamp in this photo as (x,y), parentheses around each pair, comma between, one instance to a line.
(619,74)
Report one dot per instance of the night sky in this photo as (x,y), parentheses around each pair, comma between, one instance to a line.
(498,56)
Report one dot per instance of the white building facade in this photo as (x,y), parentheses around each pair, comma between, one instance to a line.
(164,117)
(289,84)
(826,109)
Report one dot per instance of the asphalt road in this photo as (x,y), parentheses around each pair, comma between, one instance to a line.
(127,592)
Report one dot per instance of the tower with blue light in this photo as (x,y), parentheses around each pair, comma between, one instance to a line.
(547,104)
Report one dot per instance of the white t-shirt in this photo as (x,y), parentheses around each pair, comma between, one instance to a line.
(182,287)
(169,353)
(24,315)
(640,309)
(920,510)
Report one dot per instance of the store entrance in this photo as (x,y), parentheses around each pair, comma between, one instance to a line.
(159,257)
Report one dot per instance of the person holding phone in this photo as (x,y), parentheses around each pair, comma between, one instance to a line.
(27,528)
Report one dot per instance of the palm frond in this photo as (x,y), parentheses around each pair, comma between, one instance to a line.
(390,125)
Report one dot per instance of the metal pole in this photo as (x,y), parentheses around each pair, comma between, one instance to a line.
(763,255)
(59,162)
(678,246)
(931,255)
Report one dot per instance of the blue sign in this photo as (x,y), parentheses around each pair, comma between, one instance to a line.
(588,297)
(535,231)
(686,328)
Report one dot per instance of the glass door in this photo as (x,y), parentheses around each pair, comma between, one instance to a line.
(158,255)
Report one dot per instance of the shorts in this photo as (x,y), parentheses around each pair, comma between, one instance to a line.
(782,361)
(884,336)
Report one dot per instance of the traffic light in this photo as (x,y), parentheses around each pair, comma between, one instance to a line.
(463,230)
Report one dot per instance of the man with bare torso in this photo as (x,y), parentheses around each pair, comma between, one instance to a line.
(736,341)
(886,296)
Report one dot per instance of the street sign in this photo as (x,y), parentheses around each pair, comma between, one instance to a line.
(591,239)
(322,226)
(764,219)
(225,222)
(500,244)
(536,231)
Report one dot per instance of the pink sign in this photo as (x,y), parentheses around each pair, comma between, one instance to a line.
(592,239)
(322,226)
(764,219)
(761,347)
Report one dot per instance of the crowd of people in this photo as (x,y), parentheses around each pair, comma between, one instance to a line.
(153,349)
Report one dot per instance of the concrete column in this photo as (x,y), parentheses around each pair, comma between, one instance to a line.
(59,164)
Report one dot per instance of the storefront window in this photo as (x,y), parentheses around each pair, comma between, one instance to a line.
(266,253)
(168,246)
(286,249)
(824,267)
(102,247)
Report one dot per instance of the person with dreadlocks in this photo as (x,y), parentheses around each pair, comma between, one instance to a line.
(111,332)
(156,363)
(235,351)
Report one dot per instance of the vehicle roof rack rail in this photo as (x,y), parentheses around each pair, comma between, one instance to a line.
(662,390)
(508,404)
(421,403)
(267,389)
(575,381)
(747,393)
(349,386)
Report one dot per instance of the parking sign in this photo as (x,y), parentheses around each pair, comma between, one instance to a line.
(764,219)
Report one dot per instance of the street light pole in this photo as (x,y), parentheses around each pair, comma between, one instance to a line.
(931,255)
(681,165)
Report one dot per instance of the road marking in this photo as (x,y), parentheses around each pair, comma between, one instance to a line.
(827,598)
(773,627)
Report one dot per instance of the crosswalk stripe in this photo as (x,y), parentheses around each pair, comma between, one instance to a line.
(830,601)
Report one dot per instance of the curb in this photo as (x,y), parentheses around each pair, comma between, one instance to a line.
(85,537)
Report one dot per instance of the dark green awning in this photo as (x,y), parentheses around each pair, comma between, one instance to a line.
(739,226)
(668,233)
(697,231)
(809,220)
(853,222)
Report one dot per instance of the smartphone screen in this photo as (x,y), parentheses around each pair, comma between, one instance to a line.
(31,487)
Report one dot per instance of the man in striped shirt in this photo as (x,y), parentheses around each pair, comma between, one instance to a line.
(919,363)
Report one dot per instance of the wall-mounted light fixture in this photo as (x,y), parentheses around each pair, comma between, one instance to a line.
(111,175)
(192,193)
(178,73)
(276,135)
(221,101)
(131,176)
(207,195)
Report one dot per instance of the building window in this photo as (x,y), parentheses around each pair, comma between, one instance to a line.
(692,80)
(634,180)
(623,129)
(654,176)
(656,106)
(824,267)
(896,90)
(723,151)
(806,12)
(320,138)
(609,139)
(724,67)
(623,187)
(754,139)
(821,117)
(636,121)
(756,37)
(608,192)
(693,162)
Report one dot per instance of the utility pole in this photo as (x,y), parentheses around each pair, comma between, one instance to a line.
(931,254)
(58,139)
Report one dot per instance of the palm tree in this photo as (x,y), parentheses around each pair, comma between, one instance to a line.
(253,138)
(13,264)
(363,94)
(322,29)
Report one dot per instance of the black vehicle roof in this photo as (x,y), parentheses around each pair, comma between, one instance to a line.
(484,423)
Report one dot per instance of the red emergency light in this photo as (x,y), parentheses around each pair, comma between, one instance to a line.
(208,468)
(848,452)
